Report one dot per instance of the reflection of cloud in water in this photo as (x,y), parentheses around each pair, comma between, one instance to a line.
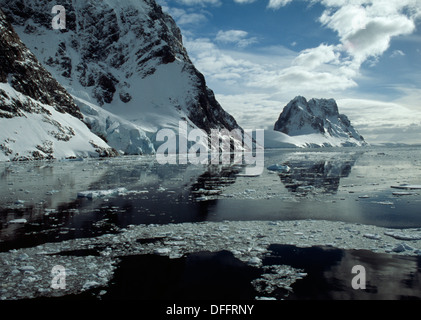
(317,173)
(388,277)
(329,273)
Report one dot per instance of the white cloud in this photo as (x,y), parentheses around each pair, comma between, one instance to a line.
(238,37)
(244,1)
(397,53)
(199,2)
(366,27)
(184,18)
(276,4)
(383,121)
(315,57)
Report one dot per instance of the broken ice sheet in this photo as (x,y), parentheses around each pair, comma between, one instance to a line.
(277,277)
(93,194)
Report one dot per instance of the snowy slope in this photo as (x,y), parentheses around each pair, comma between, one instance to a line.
(317,123)
(43,132)
(38,118)
(125,56)
(276,139)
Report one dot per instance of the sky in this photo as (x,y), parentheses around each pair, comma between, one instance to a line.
(257,55)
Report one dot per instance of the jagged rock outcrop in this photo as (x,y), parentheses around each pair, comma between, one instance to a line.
(318,122)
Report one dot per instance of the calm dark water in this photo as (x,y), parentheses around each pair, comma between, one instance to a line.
(220,276)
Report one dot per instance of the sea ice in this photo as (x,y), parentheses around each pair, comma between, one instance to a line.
(372,236)
(407,186)
(403,236)
(279,168)
(18,221)
(401,247)
(249,241)
(162,251)
(93,194)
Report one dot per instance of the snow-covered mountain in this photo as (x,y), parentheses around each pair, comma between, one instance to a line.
(38,118)
(316,122)
(123,57)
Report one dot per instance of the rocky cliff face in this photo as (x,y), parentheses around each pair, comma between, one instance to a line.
(21,69)
(38,118)
(125,56)
(318,117)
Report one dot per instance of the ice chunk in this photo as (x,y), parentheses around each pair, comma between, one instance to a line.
(279,168)
(162,251)
(18,221)
(403,193)
(401,247)
(101,193)
(407,186)
(90,285)
(255,261)
(403,236)
(385,203)
(27,268)
(247,175)
(372,236)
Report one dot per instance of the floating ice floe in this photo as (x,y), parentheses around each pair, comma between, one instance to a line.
(279,168)
(92,194)
(162,251)
(17,221)
(407,186)
(372,236)
(276,277)
(401,247)
(385,203)
(403,236)
(247,175)
(403,193)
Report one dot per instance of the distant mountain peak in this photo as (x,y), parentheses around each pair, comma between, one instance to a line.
(318,117)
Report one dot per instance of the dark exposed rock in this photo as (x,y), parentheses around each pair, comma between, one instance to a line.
(25,74)
(316,116)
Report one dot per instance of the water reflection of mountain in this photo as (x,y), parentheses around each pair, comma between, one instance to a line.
(317,174)
(212,182)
